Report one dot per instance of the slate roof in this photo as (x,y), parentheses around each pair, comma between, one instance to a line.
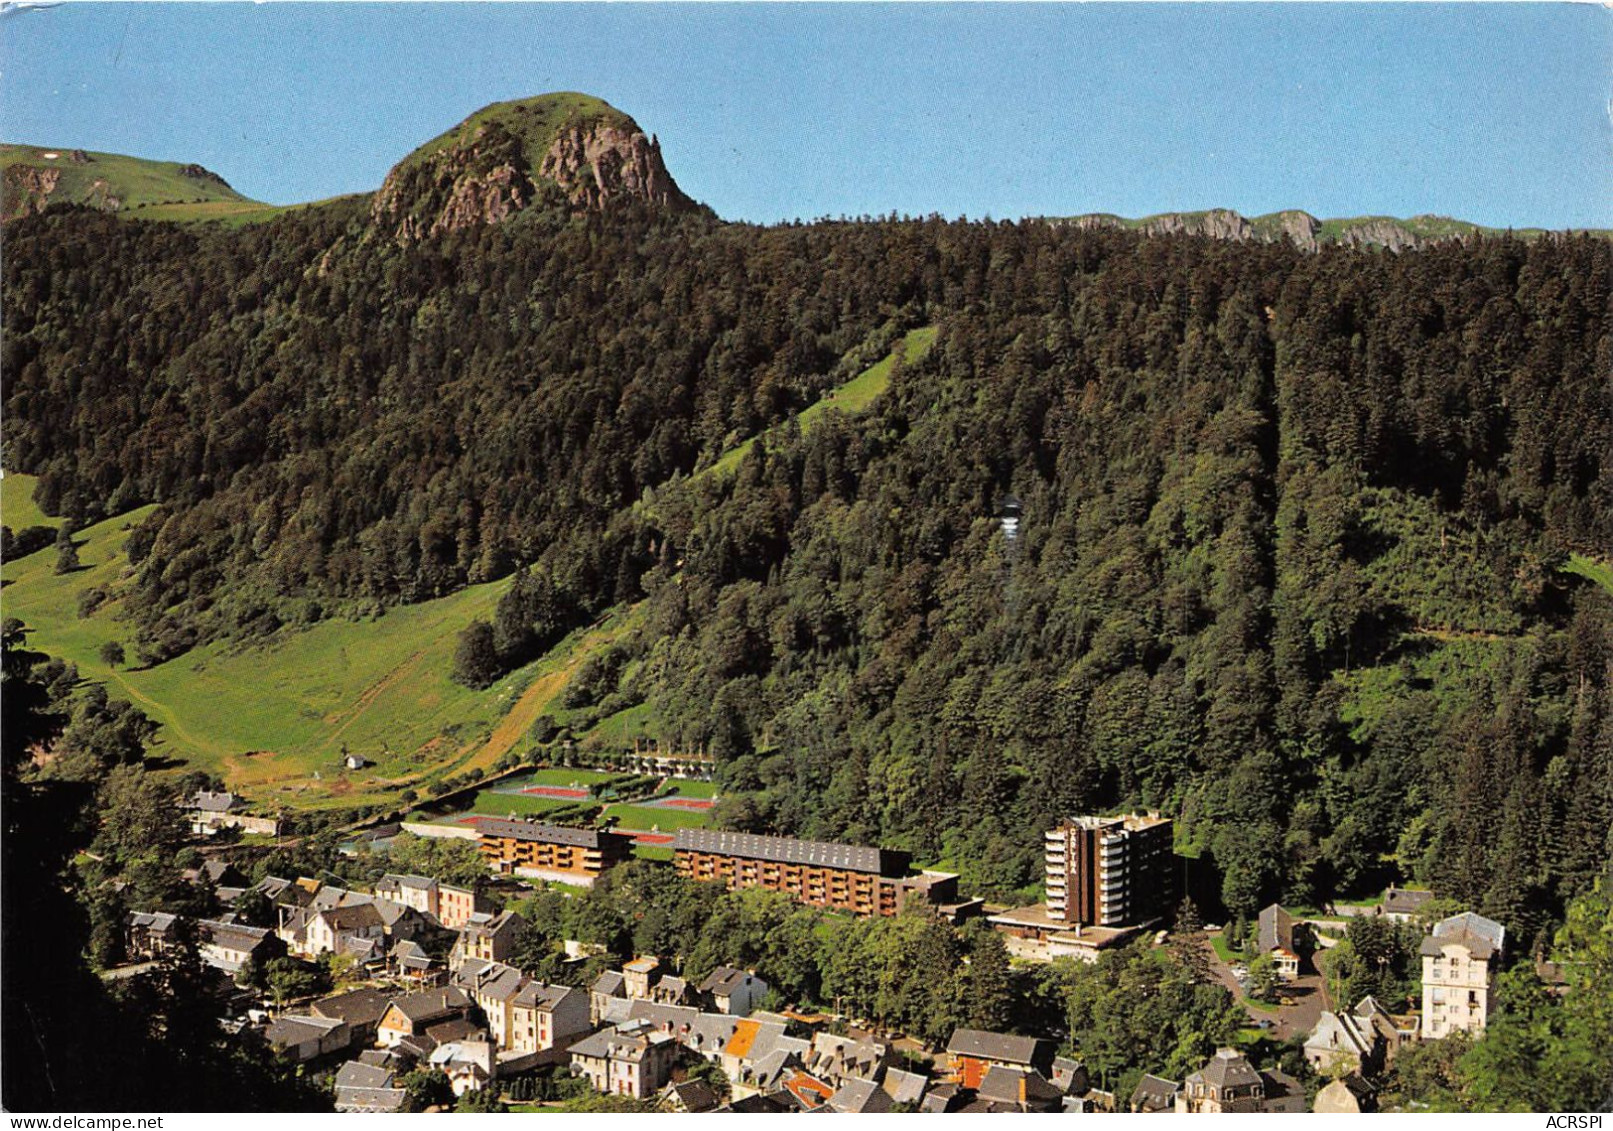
(1400,901)
(610,984)
(357,1074)
(536,830)
(1002,1047)
(1002,1084)
(410,954)
(353,917)
(356,1007)
(1276,930)
(428,1005)
(492,980)
(1482,937)
(393,880)
(329,898)
(231,936)
(1228,1068)
(723,981)
(695,1095)
(904,1087)
(783,850)
(1154,1094)
(629,1043)
(294,1030)
(538,995)
(210,802)
(156,922)
(860,1096)
(376,1101)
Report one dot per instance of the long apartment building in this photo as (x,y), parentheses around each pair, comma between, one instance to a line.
(558,852)
(1110,871)
(845,877)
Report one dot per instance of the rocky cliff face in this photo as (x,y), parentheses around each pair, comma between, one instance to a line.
(1218,223)
(30,188)
(1301,229)
(490,177)
(594,165)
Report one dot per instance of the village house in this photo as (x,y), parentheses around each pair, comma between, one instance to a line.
(1361,1041)
(304,1038)
(545,1017)
(1403,905)
(692,1097)
(643,980)
(734,992)
(418,892)
(1348,1095)
(1461,957)
(361,1009)
(629,1060)
(368,1089)
(412,1014)
(906,1089)
(408,959)
(1005,1089)
(209,812)
(490,938)
(859,1097)
(1155,1095)
(151,933)
(1230,1084)
(1278,937)
(705,1034)
(492,986)
(330,931)
(468,1063)
(449,906)
(975,1051)
(838,1058)
(760,1052)
(229,946)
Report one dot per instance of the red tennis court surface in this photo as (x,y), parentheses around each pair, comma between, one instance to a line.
(650,838)
(557,791)
(686,802)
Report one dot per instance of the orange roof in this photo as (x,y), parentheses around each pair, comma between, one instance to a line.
(744,1036)
(811,1091)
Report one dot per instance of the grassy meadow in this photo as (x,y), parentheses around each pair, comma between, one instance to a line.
(272,719)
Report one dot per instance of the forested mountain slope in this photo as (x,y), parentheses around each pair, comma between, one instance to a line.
(1291,561)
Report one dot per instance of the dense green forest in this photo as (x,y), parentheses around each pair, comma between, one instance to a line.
(1291,565)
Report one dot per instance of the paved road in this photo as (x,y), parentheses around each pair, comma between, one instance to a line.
(1307,994)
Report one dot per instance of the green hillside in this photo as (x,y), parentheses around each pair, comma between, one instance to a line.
(273,719)
(17,507)
(171,190)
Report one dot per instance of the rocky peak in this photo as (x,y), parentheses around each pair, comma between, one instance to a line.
(202,173)
(573,150)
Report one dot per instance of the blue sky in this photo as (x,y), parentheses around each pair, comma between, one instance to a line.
(1497,113)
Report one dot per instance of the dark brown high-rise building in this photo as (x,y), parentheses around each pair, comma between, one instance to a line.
(1110,871)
